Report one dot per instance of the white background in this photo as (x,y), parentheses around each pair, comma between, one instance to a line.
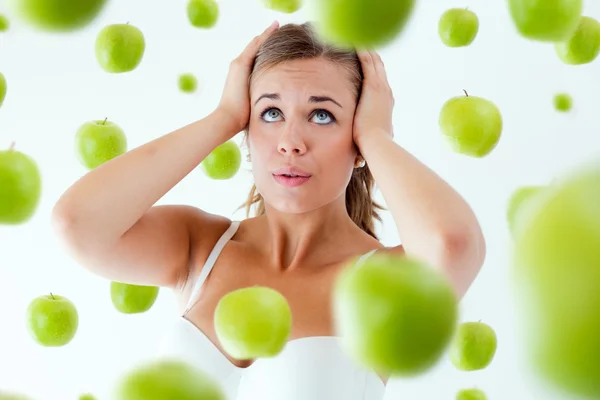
(55,85)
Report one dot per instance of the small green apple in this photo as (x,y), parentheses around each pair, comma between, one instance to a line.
(120,48)
(583,46)
(546,20)
(166,379)
(471,394)
(188,83)
(395,315)
(517,199)
(4,23)
(563,102)
(223,162)
(58,15)
(361,23)
(473,347)
(52,320)
(458,27)
(3,88)
(132,299)
(97,142)
(203,13)
(253,322)
(471,125)
(13,396)
(20,187)
(87,396)
(284,6)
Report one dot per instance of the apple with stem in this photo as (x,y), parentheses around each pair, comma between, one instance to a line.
(132,299)
(99,141)
(253,322)
(223,162)
(583,46)
(458,27)
(187,83)
(203,14)
(119,48)
(471,394)
(546,20)
(20,186)
(3,88)
(563,102)
(52,320)
(4,23)
(284,6)
(471,125)
(473,347)
(58,15)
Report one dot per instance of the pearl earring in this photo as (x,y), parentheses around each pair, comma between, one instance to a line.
(360,162)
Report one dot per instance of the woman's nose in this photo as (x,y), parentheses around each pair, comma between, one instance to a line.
(290,142)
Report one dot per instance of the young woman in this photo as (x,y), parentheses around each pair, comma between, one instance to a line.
(318,123)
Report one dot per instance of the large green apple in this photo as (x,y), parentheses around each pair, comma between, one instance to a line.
(52,320)
(458,27)
(395,314)
(132,299)
(284,6)
(253,322)
(516,201)
(223,162)
(546,20)
(120,48)
(58,15)
(471,125)
(3,88)
(361,23)
(473,346)
(20,187)
(203,13)
(471,394)
(4,23)
(583,46)
(167,379)
(557,275)
(97,142)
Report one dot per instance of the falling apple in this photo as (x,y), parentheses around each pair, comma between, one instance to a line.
(52,320)
(471,394)
(20,187)
(87,396)
(4,23)
(203,13)
(187,83)
(3,88)
(132,299)
(284,6)
(583,46)
(13,396)
(458,27)
(546,20)
(473,347)
(97,142)
(120,48)
(58,15)
(167,379)
(394,314)
(223,162)
(516,203)
(361,23)
(471,125)
(253,322)
(563,102)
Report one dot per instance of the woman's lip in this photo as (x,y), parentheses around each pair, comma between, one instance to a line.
(291,181)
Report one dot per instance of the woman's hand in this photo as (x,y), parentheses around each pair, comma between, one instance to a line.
(235,100)
(373,115)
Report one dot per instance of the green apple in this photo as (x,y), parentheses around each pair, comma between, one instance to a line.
(3,88)
(97,142)
(203,13)
(188,83)
(583,46)
(471,394)
(517,199)
(52,320)
(4,23)
(361,23)
(395,314)
(87,396)
(471,125)
(223,162)
(546,20)
(253,322)
(556,270)
(458,27)
(563,102)
(120,48)
(284,6)
(20,187)
(58,15)
(13,396)
(132,299)
(473,347)
(167,379)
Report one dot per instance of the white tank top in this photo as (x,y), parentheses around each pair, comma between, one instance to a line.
(309,368)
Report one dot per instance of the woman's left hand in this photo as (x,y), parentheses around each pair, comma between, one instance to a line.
(373,115)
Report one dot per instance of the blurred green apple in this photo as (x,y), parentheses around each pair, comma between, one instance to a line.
(20,187)
(546,20)
(132,299)
(516,201)
(395,315)
(253,322)
(87,396)
(52,320)
(13,396)
(203,13)
(120,48)
(167,379)
(223,162)
(583,46)
(187,83)
(58,15)
(284,6)
(471,125)
(471,394)
(3,88)
(4,23)
(563,102)
(97,142)
(458,27)
(473,347)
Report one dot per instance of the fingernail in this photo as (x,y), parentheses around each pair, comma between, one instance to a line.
(275,23)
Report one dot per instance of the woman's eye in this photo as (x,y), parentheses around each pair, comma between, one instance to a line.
(323,117)
(271,114)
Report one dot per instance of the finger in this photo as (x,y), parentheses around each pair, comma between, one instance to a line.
(252,48)
(366,61)
(378,64)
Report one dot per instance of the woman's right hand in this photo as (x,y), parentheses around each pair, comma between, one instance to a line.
(235,100)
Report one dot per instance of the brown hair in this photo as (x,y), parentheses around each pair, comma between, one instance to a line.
(293,42)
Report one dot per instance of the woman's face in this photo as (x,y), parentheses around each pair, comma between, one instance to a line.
(301,123)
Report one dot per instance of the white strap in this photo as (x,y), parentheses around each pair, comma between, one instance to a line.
(210,263)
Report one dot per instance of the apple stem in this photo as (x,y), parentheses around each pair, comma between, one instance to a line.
(104,122)
(51,295)
(466,94)
(12,146)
